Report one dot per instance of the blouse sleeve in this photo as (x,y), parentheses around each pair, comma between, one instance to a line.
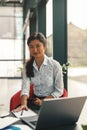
(25,84)
(58,80)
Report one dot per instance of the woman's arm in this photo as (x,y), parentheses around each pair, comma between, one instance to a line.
(23,105)
(24,92)
(24,99)
(58,80)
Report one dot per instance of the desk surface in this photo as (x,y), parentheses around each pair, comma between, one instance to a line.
(82,120)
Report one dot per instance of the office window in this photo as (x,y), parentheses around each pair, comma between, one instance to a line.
(11,41)
(77,32)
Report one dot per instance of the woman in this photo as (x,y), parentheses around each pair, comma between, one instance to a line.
(45,73)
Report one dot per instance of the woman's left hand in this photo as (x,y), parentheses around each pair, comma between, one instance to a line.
(38,101)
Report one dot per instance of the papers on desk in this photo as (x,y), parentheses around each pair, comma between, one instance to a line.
(24,114)
(7,121)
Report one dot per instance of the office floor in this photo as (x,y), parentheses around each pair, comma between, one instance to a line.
(76,86)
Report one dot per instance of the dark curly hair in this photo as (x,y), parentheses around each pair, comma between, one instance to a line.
(29,66)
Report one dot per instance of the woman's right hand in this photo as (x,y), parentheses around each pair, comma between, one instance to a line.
(21,107)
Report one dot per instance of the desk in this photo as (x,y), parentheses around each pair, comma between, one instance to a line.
(82,120)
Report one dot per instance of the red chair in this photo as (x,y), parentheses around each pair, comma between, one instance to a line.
(15,99)
(65,94)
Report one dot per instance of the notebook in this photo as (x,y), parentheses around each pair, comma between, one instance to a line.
(57,112)
(24,113)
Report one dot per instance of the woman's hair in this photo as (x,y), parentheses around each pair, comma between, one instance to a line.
(29,66)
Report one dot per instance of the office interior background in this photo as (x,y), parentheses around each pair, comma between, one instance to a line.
(15,28)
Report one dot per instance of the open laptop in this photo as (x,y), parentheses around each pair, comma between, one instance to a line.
(57,112)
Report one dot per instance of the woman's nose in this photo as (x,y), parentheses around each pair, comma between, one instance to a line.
(35,49)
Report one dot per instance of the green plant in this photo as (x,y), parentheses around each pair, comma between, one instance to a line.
(65,67)
(84,127)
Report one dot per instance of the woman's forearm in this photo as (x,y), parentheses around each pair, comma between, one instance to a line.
(24,99)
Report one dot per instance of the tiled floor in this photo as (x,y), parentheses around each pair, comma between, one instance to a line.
(10,86)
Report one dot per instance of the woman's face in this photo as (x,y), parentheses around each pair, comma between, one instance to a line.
(37,49)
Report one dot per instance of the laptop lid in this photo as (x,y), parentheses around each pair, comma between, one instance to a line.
(59,112)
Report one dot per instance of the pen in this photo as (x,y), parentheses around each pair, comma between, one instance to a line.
(21,112)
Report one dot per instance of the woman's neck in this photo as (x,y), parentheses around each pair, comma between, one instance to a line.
(39,61)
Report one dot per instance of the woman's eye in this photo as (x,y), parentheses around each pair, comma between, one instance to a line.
(37,46)
(31,47)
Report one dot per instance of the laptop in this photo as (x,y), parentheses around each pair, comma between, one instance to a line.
(57,112)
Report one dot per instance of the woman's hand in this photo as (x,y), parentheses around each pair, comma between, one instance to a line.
(21,107)
(37,101)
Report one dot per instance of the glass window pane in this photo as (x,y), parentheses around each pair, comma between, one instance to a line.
(18,49)
(11,41)
(11,49)
(77,32)
(11,11)
(7,27)
(19,28)
(6,11)
(12,29)
(18,12)
(10,68)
